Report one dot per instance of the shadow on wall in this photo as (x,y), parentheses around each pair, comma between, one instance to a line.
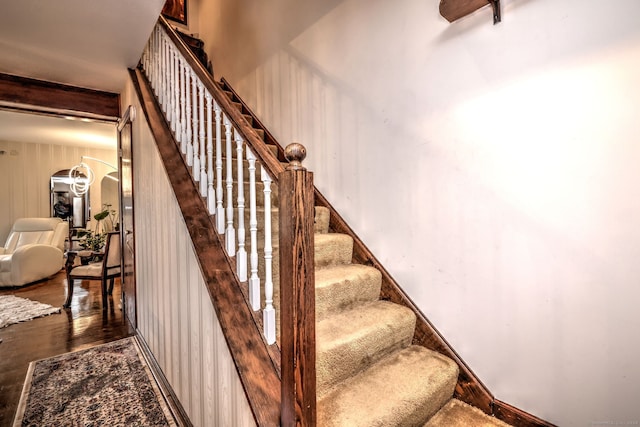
(254,19)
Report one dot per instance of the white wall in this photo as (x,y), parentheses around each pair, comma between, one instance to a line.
(25,178)
(175,313)
(492,170)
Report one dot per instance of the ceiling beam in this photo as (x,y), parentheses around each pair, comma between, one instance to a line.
(23,93)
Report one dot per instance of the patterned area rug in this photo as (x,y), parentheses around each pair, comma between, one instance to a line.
(107,385)
(15,309)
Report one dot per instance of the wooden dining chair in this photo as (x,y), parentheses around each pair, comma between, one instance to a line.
(106,269)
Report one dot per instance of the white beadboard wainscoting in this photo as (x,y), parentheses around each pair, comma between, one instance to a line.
(175,314)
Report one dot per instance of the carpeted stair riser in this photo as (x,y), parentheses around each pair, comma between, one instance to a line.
(321,225)
(403,389)
(343,287)
(330,249)
(458,414)
(348,342)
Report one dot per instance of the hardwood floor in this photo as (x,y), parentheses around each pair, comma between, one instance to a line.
(83,325)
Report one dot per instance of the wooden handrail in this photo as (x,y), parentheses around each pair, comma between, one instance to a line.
(259,149)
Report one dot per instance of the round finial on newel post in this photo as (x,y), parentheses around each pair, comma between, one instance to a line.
(295,153)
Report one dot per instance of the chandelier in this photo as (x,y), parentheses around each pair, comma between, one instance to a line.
(82,176)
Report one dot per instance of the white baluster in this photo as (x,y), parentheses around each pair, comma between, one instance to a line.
(200,136)
(154,60)
(219,209)
(176,94)
(158,71)
(203,153)
(241,255)
(172,90)
(158,79)
(183,105)
(163,75)
(179,105)
(230,233)
(211,193)
(254,280)
(269,313)
(189,81)
(144,61)
(149,58)
(169,93)
(159,65)
(194,99)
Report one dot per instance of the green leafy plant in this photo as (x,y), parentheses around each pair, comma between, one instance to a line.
(94,240)
(90,241)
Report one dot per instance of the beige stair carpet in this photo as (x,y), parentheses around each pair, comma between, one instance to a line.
(403,389)
(458,414)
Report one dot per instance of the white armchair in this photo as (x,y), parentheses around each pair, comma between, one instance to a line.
(34,250)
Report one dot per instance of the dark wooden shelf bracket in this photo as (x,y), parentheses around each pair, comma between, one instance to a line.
(495,4)
(452,10)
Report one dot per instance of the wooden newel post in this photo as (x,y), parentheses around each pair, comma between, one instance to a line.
(297,291)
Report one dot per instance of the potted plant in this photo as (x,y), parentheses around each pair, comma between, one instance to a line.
(92,241)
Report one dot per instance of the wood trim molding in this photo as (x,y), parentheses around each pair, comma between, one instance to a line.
(516,417)
(22,93)
(253,363)
(170,397)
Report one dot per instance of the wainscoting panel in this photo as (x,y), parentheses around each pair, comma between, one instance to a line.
(175,314)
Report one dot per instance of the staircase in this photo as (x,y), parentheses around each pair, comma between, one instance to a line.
(367,371)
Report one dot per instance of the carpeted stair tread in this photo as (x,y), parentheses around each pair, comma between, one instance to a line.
(458,414)
(332,249)
(404,389)
(349,342)
(341,287)
(260,134)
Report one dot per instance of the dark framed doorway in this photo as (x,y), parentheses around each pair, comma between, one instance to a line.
(125,168)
